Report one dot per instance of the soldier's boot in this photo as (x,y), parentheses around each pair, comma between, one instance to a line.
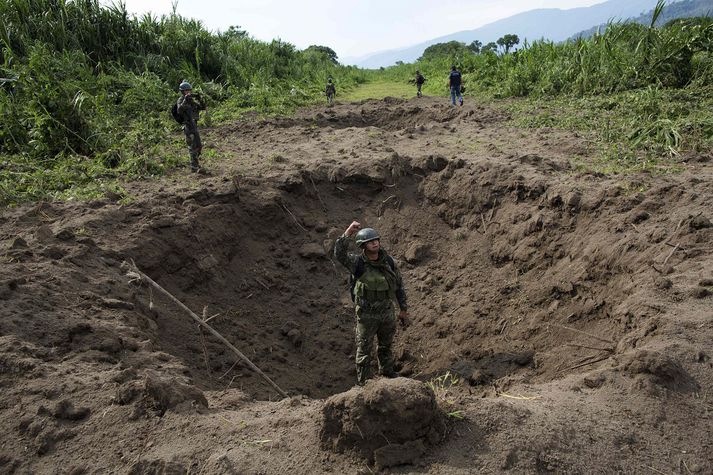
(194,163)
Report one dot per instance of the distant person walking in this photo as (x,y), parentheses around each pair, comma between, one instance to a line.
(455,83)
(419,82)
(189,106)
(330,91)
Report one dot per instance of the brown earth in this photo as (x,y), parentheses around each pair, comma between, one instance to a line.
(563,317)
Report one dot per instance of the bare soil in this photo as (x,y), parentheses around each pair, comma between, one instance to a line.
(569,311)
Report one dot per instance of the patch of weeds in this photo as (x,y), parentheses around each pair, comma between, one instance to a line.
(277,158)
(442,386)
(460,235)
(637,130)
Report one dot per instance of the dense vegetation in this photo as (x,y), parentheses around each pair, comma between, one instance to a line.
(85,90)
(650,85)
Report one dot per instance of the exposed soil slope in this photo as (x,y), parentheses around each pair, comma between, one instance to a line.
(572,308)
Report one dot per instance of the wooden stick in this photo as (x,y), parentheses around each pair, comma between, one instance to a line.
(591,347)
(262,283)
(205,349)
(212,317)
(583,333)
(133,268)
(293,217)
(324,206)
(669,256)
(587,363)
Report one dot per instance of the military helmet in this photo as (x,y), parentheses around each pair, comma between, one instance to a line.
(185,86)
(329,80)
(365,235)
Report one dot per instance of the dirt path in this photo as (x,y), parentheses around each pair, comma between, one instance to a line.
(571,310)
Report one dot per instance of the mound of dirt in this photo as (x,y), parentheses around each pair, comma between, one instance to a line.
(651,367)
(388,421)
(159,394)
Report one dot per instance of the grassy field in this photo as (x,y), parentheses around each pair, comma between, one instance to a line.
(379,90)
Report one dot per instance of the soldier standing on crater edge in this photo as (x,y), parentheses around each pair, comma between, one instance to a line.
(376,282)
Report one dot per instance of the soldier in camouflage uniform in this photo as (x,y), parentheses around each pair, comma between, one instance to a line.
(377,282)
(330,91)
(189,107)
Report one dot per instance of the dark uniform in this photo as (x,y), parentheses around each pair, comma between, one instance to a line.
(189,107)
(419,83)
(374,292)
(330,91)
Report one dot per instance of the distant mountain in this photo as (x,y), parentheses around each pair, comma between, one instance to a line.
(551,23)
(681,9)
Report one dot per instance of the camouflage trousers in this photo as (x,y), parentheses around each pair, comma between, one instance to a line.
(195,146)
(369,324)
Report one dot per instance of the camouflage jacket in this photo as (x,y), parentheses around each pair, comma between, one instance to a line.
(350,259)
(189,106)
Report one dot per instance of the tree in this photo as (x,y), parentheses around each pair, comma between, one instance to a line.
(451,48)
(508,41)
(475,46)
(235,32)
(325,51)
(491,47)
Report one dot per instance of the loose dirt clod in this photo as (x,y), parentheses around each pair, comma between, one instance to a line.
(388,421)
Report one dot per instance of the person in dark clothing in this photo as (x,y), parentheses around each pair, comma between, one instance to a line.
(189,107)
(330,91)
(419,83)
(455,84)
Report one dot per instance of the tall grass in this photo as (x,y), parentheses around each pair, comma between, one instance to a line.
(625,56)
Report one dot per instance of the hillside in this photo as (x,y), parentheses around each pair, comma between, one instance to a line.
(681,9)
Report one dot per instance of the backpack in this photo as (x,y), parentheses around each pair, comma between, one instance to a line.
(174,113)
(359,271)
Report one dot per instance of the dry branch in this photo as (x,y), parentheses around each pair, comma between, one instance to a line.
(611,350)
(670,254)
(134,271)
(293,217)
(586,363)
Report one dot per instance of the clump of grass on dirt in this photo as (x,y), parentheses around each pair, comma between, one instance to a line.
(442,386)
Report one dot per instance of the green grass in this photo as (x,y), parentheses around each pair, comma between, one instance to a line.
(380,90)
(641,130)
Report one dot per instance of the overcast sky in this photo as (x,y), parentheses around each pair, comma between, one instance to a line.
(351,27)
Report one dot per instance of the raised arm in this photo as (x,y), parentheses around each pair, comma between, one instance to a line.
(341,247)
